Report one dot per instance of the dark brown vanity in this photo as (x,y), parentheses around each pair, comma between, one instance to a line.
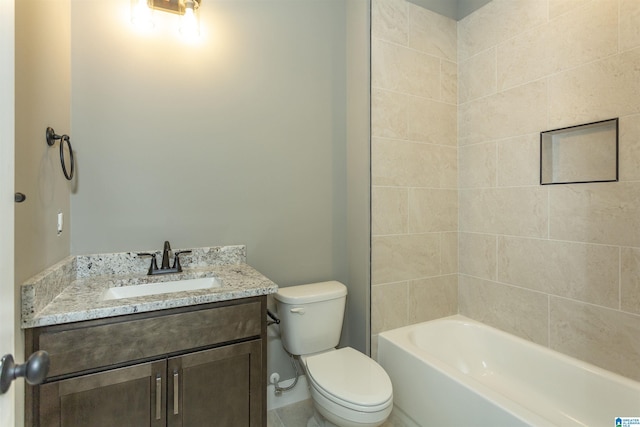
(200,365)
(159,356)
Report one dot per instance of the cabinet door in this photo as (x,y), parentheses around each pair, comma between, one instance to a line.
(221,387)
(127,397)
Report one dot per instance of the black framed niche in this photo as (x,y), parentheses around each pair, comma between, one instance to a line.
(580,154)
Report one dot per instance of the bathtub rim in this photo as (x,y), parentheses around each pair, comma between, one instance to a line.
(400,337)
(459,318)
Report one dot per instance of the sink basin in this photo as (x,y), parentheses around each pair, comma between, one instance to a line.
(160,288)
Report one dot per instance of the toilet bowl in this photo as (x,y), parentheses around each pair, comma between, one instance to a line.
(348,388)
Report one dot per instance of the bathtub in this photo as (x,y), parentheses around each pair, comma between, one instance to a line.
(456,371)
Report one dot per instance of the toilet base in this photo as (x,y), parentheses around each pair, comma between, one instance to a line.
(322,418)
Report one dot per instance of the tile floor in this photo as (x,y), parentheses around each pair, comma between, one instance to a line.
(297,414)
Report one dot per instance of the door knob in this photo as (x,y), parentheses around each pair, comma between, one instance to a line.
(34,370)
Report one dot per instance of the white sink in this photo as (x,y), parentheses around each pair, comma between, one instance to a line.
(160,288)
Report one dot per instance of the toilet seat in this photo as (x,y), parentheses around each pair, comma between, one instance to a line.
(350,379)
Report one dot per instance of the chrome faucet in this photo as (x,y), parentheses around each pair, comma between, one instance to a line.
(164,267)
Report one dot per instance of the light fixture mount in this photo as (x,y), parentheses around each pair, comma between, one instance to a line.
(142,12)
(172,6)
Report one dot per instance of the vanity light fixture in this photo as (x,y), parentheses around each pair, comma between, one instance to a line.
(189,11)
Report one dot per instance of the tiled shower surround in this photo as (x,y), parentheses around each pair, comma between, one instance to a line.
(460,222)
(414,166)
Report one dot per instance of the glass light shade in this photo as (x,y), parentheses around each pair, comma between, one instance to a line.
(190,21)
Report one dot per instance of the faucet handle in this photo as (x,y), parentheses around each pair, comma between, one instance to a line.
(154,264)
(176,259)
(151,254)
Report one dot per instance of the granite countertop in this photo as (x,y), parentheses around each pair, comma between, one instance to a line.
(72,290)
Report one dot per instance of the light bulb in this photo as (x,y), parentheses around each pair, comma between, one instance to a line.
(190,25)
(141,14)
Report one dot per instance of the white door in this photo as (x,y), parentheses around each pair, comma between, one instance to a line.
(7,125)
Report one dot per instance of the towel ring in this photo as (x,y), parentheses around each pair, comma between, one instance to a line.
(51,139)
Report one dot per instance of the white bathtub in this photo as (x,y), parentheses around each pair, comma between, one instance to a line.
(455,371)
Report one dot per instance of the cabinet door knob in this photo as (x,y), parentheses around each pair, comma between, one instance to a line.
(20,197)
(34,370)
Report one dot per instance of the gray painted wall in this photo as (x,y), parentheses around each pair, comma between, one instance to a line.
(359,173)
(43,91)
(467,7)
(454,9)
(42,98)
(240,139)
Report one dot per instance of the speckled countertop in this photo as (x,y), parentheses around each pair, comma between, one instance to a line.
(72,290)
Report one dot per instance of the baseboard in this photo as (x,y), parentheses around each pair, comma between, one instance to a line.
(299,393)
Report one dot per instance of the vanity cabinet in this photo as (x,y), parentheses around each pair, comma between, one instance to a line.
(118,397)
(189,367)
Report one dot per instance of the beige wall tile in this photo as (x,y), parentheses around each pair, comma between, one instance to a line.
(374,347)
(477,165)
(433,298)
(629,24)
(388,114)
(586,34)
(520,211)
(478,255)
(431,121)
(478,76)
(518,111)
(378,71)
(496,22)
(449,250)
(409,164)
(414,144)
(559,59)
(519,161)
(398,258)
(404,70)
(630,280)
(604,337)
(596,91)
(606,213)
(432,33)
(389,20)
(432,210)
(560,7)
(517,311)
(389,210)
(449,78)
(629,147)
(388,307)
(580,271)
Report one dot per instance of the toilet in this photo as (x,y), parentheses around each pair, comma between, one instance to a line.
(348,388)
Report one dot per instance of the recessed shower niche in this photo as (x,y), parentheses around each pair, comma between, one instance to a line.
(580,154)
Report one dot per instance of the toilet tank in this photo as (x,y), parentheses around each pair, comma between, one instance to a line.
(311,316)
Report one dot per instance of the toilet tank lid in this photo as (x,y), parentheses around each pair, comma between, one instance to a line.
(313,292)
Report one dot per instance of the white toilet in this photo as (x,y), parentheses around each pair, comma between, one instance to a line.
(348,388)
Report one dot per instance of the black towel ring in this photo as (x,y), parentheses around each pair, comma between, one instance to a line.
(51,139)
